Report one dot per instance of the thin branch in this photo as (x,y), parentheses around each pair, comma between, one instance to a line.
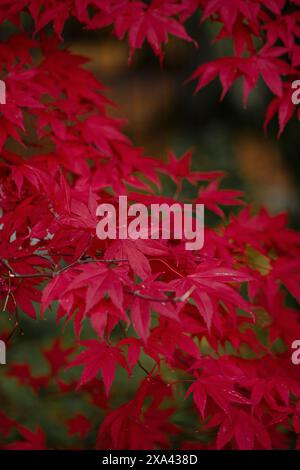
(92,260)
(50,275)
(137,293)
(24,276)
(11,334)
(78,259)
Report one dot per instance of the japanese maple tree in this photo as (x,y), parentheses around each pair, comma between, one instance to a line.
(208,332)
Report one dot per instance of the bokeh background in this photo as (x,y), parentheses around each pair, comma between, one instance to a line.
(163,114)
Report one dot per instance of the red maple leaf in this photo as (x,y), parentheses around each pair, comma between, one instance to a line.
(79,424)
(98,356)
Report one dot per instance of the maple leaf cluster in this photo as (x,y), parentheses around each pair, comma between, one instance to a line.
(264,36)
(216,325)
